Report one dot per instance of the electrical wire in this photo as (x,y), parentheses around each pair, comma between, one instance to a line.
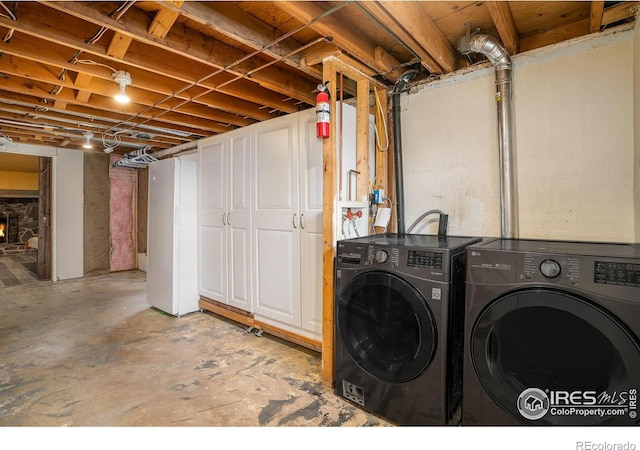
(10,14)
(381,118)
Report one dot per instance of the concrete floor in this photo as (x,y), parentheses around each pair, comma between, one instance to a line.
(92,352)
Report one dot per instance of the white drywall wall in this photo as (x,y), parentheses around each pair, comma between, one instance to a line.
(573,139)
(68,210)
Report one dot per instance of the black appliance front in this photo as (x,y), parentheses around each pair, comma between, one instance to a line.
(398,326)
(552,333)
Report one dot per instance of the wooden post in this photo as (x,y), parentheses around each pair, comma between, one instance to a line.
(43,267)
(382,154)
(329,188)
(362,140)
(331,66)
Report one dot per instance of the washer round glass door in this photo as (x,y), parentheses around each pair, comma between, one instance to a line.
(549,357)
(386,326)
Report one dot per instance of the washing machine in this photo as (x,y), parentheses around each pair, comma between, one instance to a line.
(399,306)
(552,333)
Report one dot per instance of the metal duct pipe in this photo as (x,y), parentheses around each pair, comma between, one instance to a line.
(409,75)
(500,59)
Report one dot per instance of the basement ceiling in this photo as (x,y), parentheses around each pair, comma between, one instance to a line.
(202,68)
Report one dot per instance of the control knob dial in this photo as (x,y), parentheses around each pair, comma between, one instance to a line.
(382,256)
(550,268)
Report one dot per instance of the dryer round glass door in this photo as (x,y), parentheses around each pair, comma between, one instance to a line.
(549,357)
(386,326)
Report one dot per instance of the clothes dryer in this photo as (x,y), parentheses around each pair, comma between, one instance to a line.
(552,333)
(399,305)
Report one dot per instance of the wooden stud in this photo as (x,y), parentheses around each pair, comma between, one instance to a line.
(362,140)
(329,182)
(595,16)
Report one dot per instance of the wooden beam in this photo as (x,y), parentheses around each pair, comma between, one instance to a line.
(595,15)
(83,81)
(59,104)
(34,71)
(119,45)
(77,112)
(503,19)
(555,35)
(318,53)
(49,53)
(344,66)
(55,46)
(189,44)
(235,23)
(411,22)
(164,20)
(343,36)
(619,12)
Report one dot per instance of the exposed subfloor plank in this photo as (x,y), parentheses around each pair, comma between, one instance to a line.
(92,352)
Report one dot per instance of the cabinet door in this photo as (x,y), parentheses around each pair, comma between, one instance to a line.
(161,237)
(311,173)
(238,220)
(212,254)
(275,220)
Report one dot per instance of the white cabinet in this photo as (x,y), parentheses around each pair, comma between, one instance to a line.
(224,219)
(310,206)
(287,223)
(172,244)
(260,219)
(276,220)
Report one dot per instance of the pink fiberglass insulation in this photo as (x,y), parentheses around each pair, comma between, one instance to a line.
(123,251)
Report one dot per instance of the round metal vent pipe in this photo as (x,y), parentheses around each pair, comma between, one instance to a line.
(501,61)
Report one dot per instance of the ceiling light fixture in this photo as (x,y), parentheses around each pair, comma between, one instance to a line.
(123,79)
(87,143)
(119,76)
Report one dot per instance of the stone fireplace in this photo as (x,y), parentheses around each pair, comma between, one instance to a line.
(18,223)
(8,227)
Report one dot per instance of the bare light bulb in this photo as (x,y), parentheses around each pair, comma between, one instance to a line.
(87,143)
(122,97)
(123,79)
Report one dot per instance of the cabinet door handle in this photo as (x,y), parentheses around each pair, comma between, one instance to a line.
(223,216)
(302,221)
(294,221)
(228,218)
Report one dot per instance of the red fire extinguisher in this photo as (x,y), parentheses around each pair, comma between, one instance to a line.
(322,111)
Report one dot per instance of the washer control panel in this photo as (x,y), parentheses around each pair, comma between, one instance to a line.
(424,259)
(618,273)
(538,267)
